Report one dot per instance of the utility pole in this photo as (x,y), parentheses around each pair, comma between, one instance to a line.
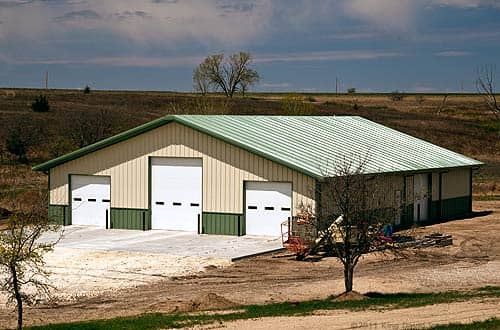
(47,79)
(336,85)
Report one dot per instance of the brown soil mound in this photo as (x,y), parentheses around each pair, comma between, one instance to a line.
(206,302)
(350,296)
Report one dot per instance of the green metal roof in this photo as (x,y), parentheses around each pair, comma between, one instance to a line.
(309,144)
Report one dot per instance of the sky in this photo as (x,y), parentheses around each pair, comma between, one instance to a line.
(297,45)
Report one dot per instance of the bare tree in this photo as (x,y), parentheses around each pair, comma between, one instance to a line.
(354,210)
(22,273)
(443,103)
(201,83)
(231,75)
(485,87)
(89,127)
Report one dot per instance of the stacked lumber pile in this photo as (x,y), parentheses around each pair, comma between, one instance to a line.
(435,239)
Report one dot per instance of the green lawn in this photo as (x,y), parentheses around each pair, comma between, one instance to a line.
(377,300)
(493,323)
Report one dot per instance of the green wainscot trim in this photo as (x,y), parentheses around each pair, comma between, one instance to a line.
(223,224)
(407,217)
(59,214)
(434,211)
(451,208)
(125,218)
(454,208)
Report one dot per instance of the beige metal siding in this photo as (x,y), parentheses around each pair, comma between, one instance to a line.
(435,186)
(225,167)
(384,192)
(456,183)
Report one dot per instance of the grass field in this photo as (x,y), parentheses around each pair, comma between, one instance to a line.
(375,300)
(461,123)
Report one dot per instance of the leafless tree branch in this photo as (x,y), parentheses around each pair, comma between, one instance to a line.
(485,87)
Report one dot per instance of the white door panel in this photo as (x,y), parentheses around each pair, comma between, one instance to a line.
(176,192)
(90,200)
(268,204)
(421,195)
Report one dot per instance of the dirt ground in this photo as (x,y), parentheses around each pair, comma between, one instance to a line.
(77,273)
(472,261)
(409,318)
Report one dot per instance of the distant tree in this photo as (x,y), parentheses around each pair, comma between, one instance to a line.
(22,274)
(355,208)
(229,75)
(397,95)
(20,138)
(61,146)
(244,88)
(351,90)
(201,82)
(485,87)
(40,104)
(89,127)
(86,89)
(442,105)
(294,104)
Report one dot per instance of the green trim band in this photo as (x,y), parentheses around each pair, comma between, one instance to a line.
(223,224)
(59,214)
(128,218)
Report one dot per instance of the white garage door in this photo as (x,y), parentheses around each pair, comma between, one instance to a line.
(421,191)
(90,199)
(176,193)
(268,204)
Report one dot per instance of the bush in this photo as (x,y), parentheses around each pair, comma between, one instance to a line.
(311,98)
(91,126)
(60,147)
(86,90)
(41,104)
(20,138)
(351,90)
(293,104)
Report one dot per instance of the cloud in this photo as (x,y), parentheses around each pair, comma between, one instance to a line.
(125,61)
(453,53)
(466,3)
(73,16)
(213,23)
(398,15)
(422,89)
(127,14)
(341,55)
(283,85)
(190,61)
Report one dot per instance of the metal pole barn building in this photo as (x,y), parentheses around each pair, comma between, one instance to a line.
(244,175)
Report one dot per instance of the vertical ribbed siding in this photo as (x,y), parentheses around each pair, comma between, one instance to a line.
(130,219)
(223,224)
(59,214)
(384,188)
(225,167)
(456,183)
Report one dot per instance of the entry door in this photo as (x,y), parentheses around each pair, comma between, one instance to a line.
(421,195)
(90,200)
(176,193)
(268,204)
